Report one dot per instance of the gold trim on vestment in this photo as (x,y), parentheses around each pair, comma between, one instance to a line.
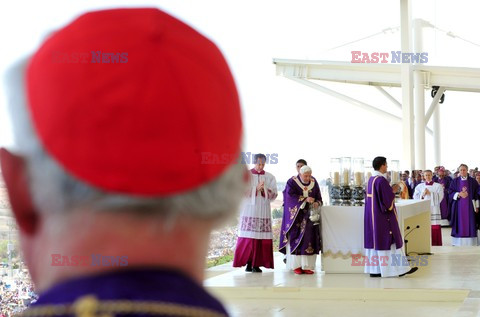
(90,306)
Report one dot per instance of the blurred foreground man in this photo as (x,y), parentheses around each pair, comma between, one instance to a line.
(113,116)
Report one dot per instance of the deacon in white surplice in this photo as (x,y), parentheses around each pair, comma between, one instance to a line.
(255,239)
(429,190)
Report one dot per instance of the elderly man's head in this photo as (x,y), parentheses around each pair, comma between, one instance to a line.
(92,165)
(305,174)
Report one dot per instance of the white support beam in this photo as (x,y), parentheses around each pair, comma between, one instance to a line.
(434,104)
(385,75)
(346,98)
(389,97)
(406,77)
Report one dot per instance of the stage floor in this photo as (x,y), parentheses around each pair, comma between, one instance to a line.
(449,285)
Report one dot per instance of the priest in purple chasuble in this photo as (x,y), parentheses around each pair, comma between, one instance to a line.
(382,236)
(255,240)
(464,206)
(445,181)
(429,190)
(298,166)
(299,236)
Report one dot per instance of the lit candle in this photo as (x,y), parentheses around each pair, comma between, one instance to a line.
(336,178)
(345,177)
(395,177)
(358,179)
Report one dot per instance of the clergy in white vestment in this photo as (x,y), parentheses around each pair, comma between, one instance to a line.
(255,240)
(429,190)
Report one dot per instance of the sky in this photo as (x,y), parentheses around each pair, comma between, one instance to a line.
(281,116)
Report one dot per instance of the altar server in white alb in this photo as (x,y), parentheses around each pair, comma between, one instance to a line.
(429,190)
(255,239)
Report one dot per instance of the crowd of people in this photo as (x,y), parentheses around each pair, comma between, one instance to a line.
(455,200)
(15,296)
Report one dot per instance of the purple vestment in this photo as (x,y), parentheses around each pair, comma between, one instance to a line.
(171,290)
(462,212)
(297,228)
(444,204)
(381,227)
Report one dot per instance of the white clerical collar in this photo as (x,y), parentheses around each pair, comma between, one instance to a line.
(377,173)
(464,178)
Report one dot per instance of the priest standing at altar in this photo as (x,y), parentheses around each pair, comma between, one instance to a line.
(434,192)
(255,245)
(464,206)
(383,239)
(299,236)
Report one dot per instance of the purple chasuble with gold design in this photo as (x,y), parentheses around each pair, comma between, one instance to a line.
(297,229)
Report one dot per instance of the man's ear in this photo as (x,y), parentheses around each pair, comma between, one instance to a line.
(16,178)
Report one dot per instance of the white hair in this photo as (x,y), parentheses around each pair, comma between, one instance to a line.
(54,190)
(305,169)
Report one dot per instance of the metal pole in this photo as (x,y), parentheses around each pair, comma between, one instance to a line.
(434,105)
(345,98)
(389,97)
(437,150)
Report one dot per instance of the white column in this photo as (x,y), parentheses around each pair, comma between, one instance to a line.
(419,99)
(419,95)
(407,88)
(437,149)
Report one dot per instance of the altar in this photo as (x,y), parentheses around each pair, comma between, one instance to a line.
(342,233)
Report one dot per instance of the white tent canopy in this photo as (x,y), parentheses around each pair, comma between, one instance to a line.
(389,75)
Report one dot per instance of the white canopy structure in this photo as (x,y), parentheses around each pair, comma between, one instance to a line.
(412,78)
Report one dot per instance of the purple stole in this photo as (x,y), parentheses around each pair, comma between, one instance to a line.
(464,210)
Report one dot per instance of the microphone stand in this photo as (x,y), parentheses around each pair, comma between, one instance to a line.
(406,241)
